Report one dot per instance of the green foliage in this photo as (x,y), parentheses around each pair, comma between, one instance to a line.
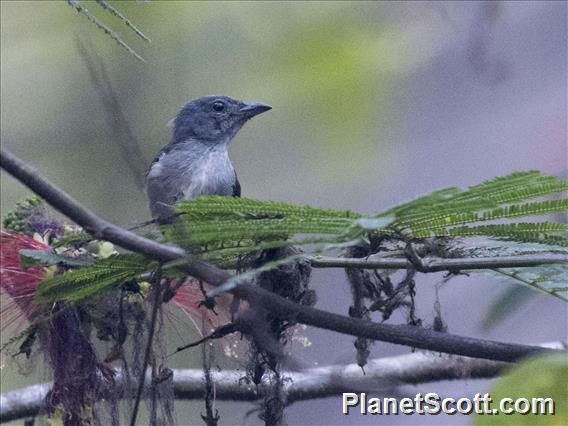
(237,225)
(518,186)
(437,224)
(546,278)
(81,9)
(522,382)
(72,239)
(15,220)
(356,67)
(46,257)
(248,208)
(18,337)
(105,274)
(499,198)
(550,279)
(224,229)
(221,228)
(544,232)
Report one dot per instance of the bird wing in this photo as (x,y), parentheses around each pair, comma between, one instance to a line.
(236,187)
(162,189)
(159,156)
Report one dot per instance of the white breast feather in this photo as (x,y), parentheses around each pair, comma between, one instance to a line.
(155,170)
(212,173)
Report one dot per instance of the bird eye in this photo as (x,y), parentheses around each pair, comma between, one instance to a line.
(218,106)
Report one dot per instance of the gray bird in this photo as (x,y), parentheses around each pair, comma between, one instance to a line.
(196,161)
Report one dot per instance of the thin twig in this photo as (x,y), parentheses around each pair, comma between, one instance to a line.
(210,418)
(439,264)
(76,4)
(279,307)
(142,225)
(156,289)
(112,10)
(217,334)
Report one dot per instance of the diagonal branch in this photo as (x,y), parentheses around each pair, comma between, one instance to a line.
(313,383)
(279,307)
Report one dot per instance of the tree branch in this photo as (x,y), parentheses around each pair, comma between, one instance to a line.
(279,307)
(438,264)
(312,383)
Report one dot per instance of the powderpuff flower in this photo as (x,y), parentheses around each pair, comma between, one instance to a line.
(188,297)
(16,282)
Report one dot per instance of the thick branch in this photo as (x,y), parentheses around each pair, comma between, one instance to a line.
(399,334)
(313,383)
(439,264)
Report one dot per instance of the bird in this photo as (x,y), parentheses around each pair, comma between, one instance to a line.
(196,160)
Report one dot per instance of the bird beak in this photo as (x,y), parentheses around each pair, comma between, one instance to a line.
(250,109)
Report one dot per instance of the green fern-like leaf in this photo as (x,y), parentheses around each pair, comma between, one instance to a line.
(225,227)
(20,336)
(541,232)
(514,187)
(489,195)
(261,228)
(73,239)
(550,279)
(499,198)
(428,226)
(514,211)
(46,257)
(80,284)
(236,207)
(423,203)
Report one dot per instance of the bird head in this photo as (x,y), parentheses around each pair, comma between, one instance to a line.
(214,119)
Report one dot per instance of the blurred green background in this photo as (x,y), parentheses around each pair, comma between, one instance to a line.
(327,69)
(373,104)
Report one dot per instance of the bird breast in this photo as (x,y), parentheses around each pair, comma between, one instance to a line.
(212,174)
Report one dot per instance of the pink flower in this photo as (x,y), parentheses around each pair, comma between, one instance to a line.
(17,283)
(188,298)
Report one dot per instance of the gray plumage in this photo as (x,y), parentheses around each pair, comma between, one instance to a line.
(196,161)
